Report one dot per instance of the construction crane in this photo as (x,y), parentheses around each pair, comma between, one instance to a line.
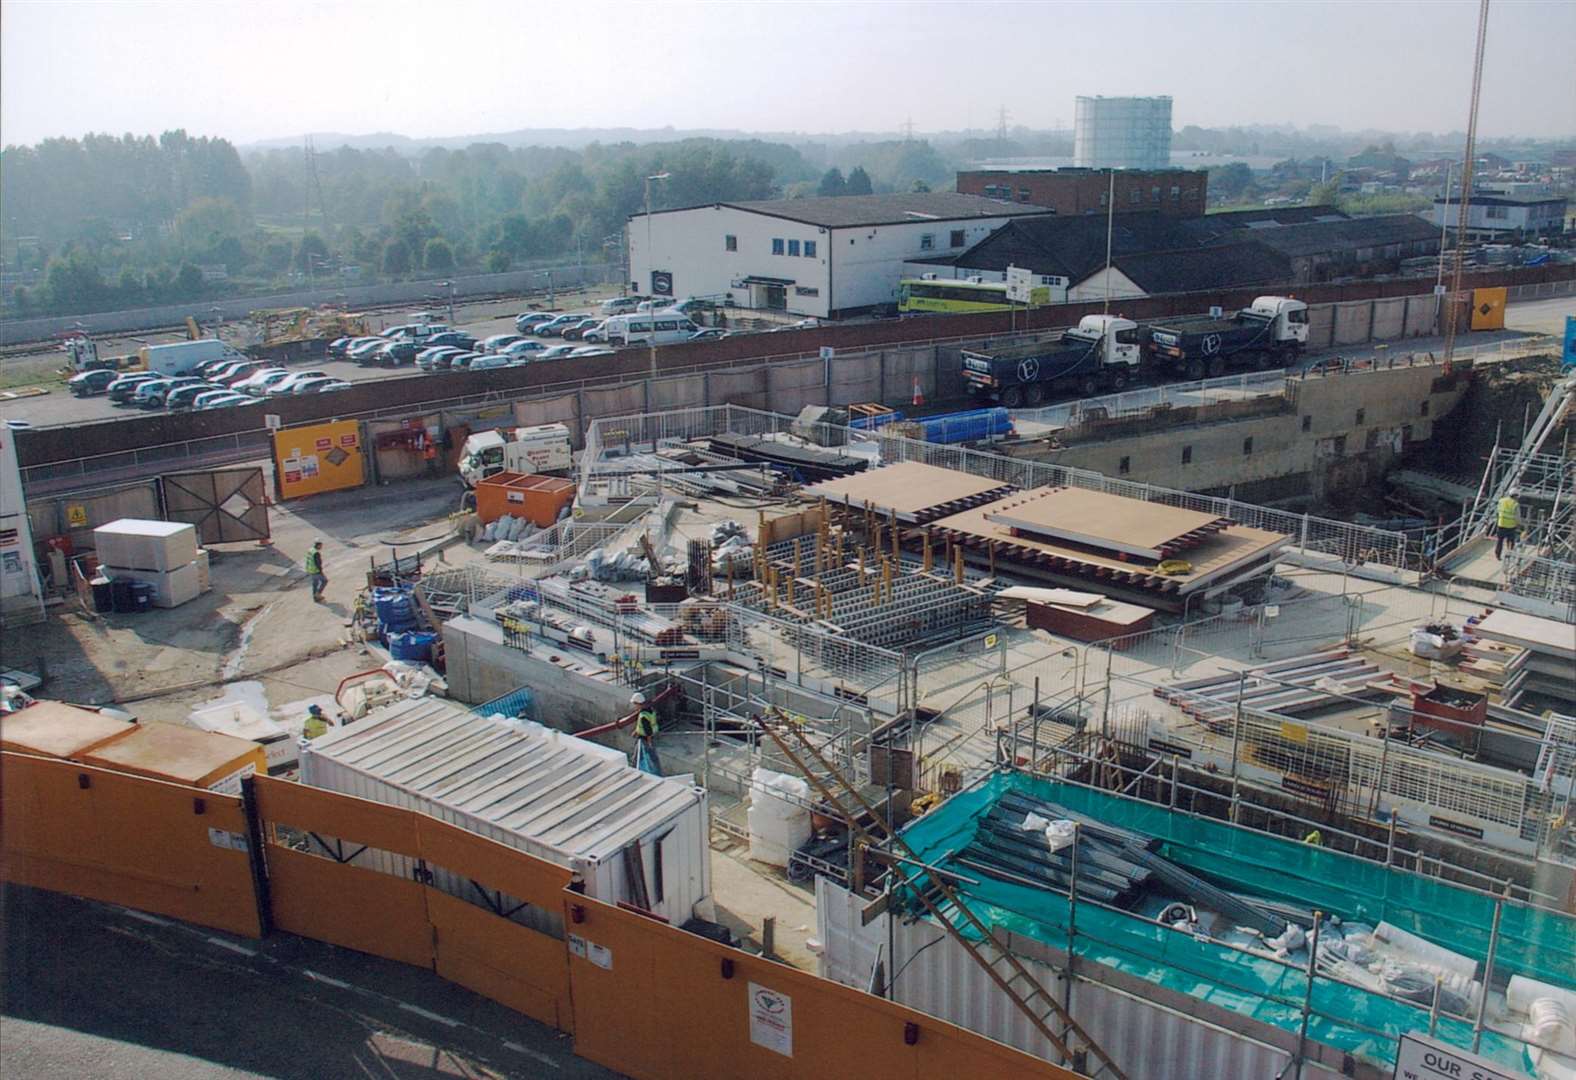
(1466,186)
(931,888)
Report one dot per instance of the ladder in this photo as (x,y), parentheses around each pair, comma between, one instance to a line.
(944,904)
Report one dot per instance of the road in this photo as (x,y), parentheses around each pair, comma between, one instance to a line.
(96,990)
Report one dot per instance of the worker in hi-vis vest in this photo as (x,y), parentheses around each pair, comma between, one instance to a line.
(646,728)
(1507,523)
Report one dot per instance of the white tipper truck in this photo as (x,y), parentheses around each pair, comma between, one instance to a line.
(543,448)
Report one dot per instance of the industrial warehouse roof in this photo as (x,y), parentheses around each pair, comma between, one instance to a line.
(1316,238)
(854,211)
(1227,266)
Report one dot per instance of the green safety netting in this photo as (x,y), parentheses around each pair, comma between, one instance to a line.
(1536,943)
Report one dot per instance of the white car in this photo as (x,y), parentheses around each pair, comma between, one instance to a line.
(489,362)
(259,381)
(313,385)
(521,349)
(592,350)
(288,384)
(333,384)
(222,399)
(557,352)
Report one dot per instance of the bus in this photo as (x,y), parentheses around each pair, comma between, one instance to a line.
(936,295)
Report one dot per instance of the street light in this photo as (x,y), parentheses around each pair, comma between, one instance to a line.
(651,270)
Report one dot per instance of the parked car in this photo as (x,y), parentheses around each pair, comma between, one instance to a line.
(313,385)
(461,361)
(218,399)
(90,383)
(592,350)
(395,353)
(239,372)
(121,390)
(621,304)
(523,323)
(555,326)
(428,357)
(287,385)
(337,347)
(219,368)
(523,347)
(359,352)
(452,337)
(151,395)
(573,331)
(259,381)
(332,385)
(488,362)
(348,352)
(595,333)
(710,333)
(498,341)
(557,352)
(182,397)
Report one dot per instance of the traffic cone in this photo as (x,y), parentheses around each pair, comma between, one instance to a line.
(919,395)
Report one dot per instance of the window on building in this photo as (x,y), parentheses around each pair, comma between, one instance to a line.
(1422,409)
(1135,196)
(1176,191)
(730,243)
(1023,194)
(1190,193)
(1124,466)
(1307,423)
(777,246)
(1247,446)
(1187,455)
(806,290)
(1497,213)
(1362,416)
(1154,193)
(927,242)
(957,237)
(793,248)
(809,249)
(1102,198)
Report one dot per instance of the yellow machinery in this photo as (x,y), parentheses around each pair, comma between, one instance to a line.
(299,333)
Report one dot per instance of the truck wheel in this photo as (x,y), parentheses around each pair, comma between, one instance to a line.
(1262,361)
(1034,396)
(1088,386)
(1012,397)
(1217,367)
(1118,378)
(1194,371)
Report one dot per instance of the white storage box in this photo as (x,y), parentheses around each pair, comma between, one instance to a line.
(146,545)
(171,588)
(558,797)
(779,816)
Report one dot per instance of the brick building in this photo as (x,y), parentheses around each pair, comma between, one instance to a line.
(1070,192)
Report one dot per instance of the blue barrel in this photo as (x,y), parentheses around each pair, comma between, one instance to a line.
(414,645)
(395,608)
(142,595)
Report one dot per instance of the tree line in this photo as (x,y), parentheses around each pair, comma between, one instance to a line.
(106,222)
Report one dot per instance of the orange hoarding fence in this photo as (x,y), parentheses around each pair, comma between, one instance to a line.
(524,969)
(147,844)
(747,1017)
(315,458)
(365,910)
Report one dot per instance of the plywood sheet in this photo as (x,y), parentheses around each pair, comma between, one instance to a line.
(1097,519)
(1530,631)
(908,488)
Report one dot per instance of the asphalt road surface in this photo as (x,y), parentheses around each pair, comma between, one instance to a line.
(93,990)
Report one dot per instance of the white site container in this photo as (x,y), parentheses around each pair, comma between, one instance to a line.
(137,544)
(563,799)
(171,588)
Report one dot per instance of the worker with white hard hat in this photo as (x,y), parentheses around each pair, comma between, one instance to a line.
(647,728)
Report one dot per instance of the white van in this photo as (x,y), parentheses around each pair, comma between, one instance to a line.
(664,328)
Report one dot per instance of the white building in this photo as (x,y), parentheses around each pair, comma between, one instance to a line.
(1122,133)
(1502,214)
(21,598)
(822,257)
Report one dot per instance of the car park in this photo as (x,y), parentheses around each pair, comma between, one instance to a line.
(90,383)
(122,389)
(557,352)
(259,381)
(523,323)
(364,348)
(573,331)
(555,326)
(498,341)
(181,397)
(287,385)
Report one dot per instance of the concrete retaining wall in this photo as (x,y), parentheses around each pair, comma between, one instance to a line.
(481,667)
(1354,323)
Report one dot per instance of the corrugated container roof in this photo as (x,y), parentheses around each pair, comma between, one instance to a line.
(562,792)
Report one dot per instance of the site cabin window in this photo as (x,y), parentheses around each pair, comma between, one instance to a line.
(1497,212)
(927,242)
(1362,416)
(957,237)
(777,246)
(1307,423)
(730,243)
(1422,410)
(793,248)
(1187,455)
(809,249)
(1124,466)
(1247,446)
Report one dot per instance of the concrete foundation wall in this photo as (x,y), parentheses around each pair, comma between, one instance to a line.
(1389,319)
(796,384)
(481,667)
(856,378)
(1321,326)
(1385,407)
(1353,322)
(746,388)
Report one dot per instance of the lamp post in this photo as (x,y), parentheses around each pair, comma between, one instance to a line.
(651,269)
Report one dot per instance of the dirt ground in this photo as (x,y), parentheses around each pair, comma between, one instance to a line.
(256,635)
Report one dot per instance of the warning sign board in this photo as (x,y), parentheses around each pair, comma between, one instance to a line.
(317,458)
(1422,1058)
(771,1019)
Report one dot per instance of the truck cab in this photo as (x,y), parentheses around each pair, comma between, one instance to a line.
(1290,317)
(543,448)
(1102,352)
(1118,336)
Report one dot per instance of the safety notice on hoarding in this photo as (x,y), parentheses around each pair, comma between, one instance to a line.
(771,1020)
(1422,1058)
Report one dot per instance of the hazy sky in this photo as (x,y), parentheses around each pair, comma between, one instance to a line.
(260,70)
